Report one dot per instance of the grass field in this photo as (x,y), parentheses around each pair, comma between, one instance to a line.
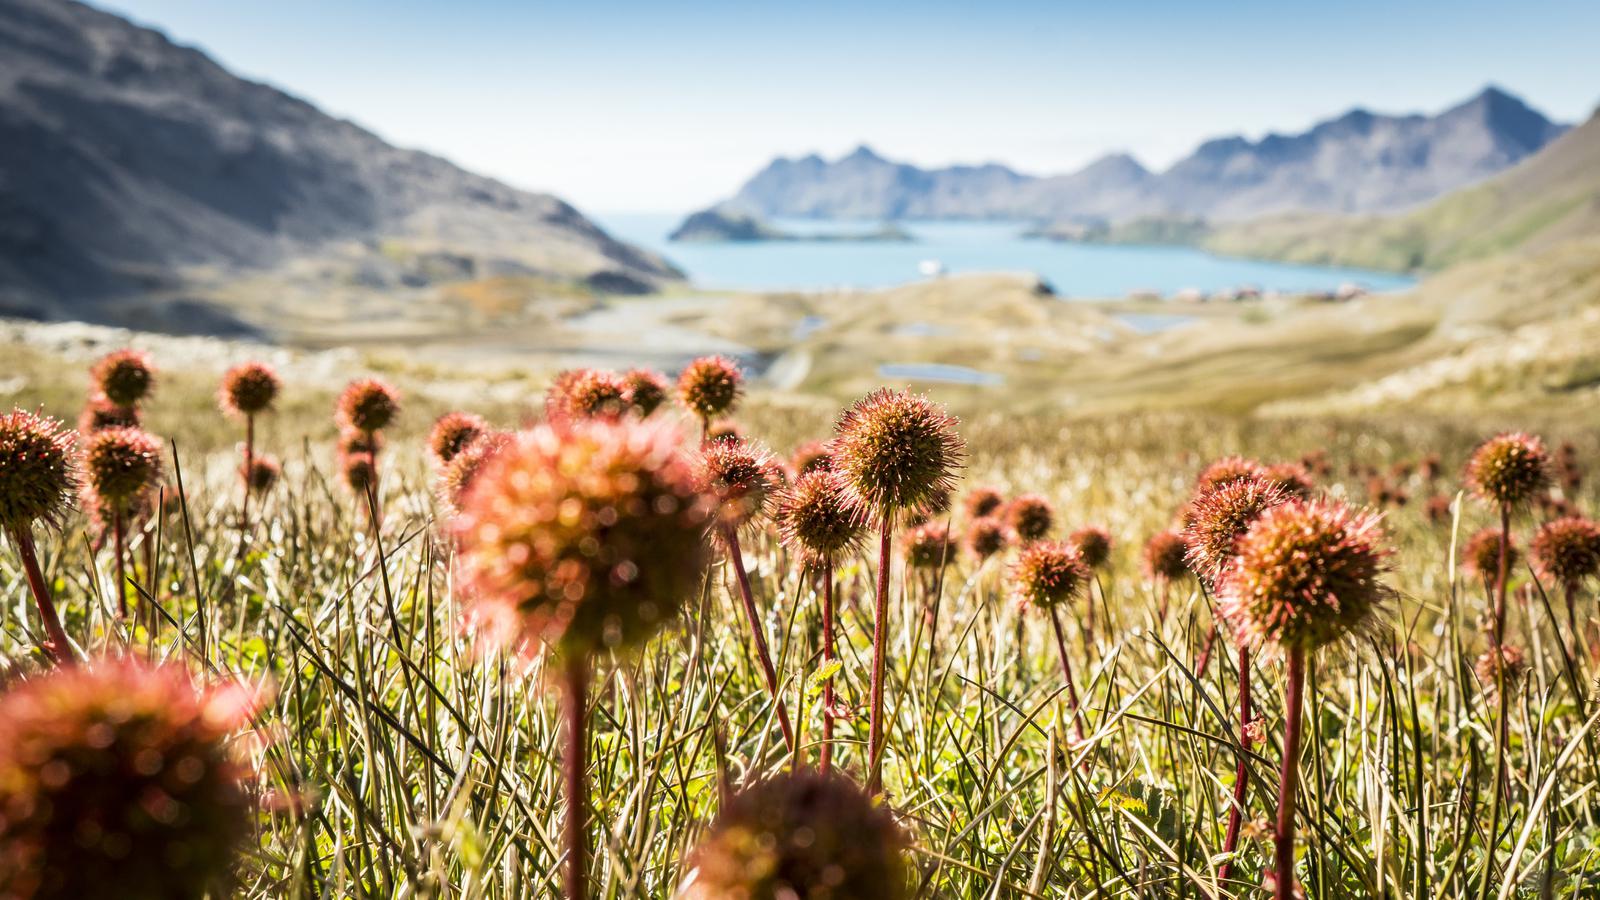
(399,759)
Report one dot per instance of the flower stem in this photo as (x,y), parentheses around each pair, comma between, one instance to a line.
(117,542)
(1201,664)
(57,648)
(1241,774)
(1289,775)
(1066,672)
(826,762)
(249,465)
(573,763)
(880,637)
(736,558)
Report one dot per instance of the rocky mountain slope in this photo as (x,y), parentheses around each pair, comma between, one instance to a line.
(131,166)
(1359,162)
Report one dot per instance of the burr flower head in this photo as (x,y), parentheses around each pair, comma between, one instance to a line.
(262,474)
(1093,543)
(1047,573)
(120,466)
(1292,478)
(815,520)
(584,536)
(1491,663)
(742,476)
(585,394)
(457,474)
(1509,469)
(249,388)
(1480,555)
(804,835)
(100,413)
(1165,556)
(928,546)
(368,405)
(983,501)
(1306,574)
(1030,517)
(811,456)
(896,452)
(124,377)
(1216,519)
(986,536)
(1567,550)
(644,390)
(1224,470)
(710,386)
(357,472)
(451,434)
(116,781)
(353,443)
(39,475)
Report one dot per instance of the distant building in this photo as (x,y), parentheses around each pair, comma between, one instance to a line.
(1349,290)
(931,268)
(1190,295)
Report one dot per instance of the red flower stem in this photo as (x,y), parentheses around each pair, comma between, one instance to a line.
(1502,576)
(1289,775)
(827,660)
(574,766)
(375,509)
(57,648)
(736,558)
(1240,776)
(1066,672)
(118,548)
(880,637)
(249,465)
(1205,651)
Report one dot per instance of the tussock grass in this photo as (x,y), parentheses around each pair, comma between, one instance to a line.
(399,760)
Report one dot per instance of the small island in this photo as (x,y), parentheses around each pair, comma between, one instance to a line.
(729,226)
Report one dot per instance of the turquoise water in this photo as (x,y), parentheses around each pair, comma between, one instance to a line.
(1080,270)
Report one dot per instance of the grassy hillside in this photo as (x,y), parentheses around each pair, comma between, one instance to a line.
(1548,198)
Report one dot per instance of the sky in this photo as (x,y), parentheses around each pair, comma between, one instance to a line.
(647,105)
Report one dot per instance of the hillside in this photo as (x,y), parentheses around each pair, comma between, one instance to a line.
(133,169)
(1358,162)
(1552,196)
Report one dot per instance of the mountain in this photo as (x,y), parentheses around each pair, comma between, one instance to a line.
(1548,198)
(129,163)
(1358,162)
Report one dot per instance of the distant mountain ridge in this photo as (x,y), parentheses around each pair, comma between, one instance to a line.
(1359,162)
(127,160)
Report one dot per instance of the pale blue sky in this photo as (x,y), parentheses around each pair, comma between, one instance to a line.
(648,105)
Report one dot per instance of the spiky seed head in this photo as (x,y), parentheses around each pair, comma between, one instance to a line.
(248,389)
(1307,573)
(451,433)
(578,394)
(456,475)
(1430,467)
(928,546)
(368,405)
(1437,509)
(1030,517)
(644,390)
(1509,469)
(120,466)
(357,471)
(1293,478)
(814,518)
(709,386)
(742,476)
(1508,658)
(986,536)
(1567,550)
(100,413)
(116,780)
(983,501)
(1480,555)
(1216,519)
(39,474)
(806,835)
(124,377)
(584,536)
(896,452)
(353,442)
(1094,543)
(1221,471)
(812,456)
(1047,573)
(725,430)
(262,473)
(1165,556)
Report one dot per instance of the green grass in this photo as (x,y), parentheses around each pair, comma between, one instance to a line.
(408,762)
